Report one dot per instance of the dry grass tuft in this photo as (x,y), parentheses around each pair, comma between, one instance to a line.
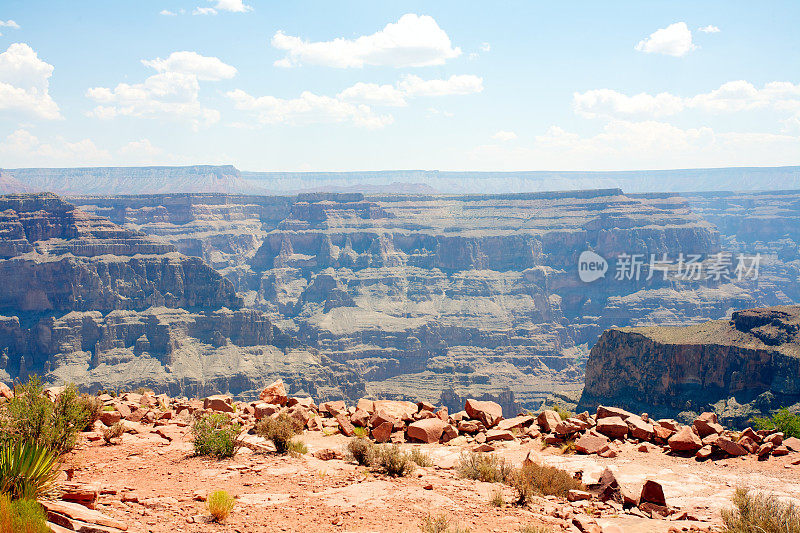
(483,467)
(420,457)
(220,504)
(758,513)
(441,524)
(534,479)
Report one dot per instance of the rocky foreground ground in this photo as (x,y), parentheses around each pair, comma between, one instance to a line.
(640,475)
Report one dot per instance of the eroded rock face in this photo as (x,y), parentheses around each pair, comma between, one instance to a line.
(756,352)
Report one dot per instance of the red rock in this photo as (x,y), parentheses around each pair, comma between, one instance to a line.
(653,492)
(425,406)
(498,434)
(326,454)
(450,432)
(345,426)
(301,414)
(765,449)
(382,416)
(333,408)
(470,426)
(609,453)
(639,429)
(578,495)
(265,409)
(780,450)
(366,405)
(399,409)
(306,402)
(75,511)
(730,447)
(613,427)
(382,432)
(752,435)
(685,440)
(609,487)
(705,428)
(443,414)
(586,524)
(516,422)
(428,430)
(109,418)
(360,418)
(590,444)
(490,413)
(423,414)
(218,402)
(6,391)
(710,439)
(274,393)
(662,433)
(669,424)
(748,444)
(548,420)
(704,452)
(483,448)
(774,438)
(793,443)
(123,409)
(608,412)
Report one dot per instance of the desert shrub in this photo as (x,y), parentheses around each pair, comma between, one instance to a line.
(563,413)
(280,430)
(363,451)
(532,479)
(483,467)
(496,498)
(394,462)
(215,435)
(758,513)
(784,421)
(93,407)
(31,417)
(420,458)
(220,504)
(441,524)
(358,431)
(568,447)
(21,516)
(297,448)
(530,528)
(114,432)
(27,470)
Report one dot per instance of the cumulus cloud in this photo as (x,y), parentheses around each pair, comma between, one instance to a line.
(9,24)
(674,40)
(730,97)
(167,13)
(627,145)
(372,93)
(204,67)
(231,6)
(22,148)
(25,83)
(503,135)
(457,84)
(204,11)
(709,29)
(309,108)
(173,92)
(412,41)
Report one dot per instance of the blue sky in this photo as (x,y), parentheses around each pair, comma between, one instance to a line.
(450,85)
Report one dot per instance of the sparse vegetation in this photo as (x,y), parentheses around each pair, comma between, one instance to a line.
(394,462)
(281,430)
(27,470)
(532,479)
(496,498)
(220,504)
(758,513)
(483,467)
(363,451)
(360,432)
(441,524)
(534,529)
(420,458)
(113,432)
(31,417)
(21,516)
(563,413)
(93,407)
(216,435)
(784,421)
(568,447)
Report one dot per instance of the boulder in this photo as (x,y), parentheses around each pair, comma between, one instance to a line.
(609,487)
(793,443)
(704,452)
(450,433)
(425,406)
(765,449)
(265,409)
(639,429)
(748,444)
(307,402)
(333,408)
(490,413)
(575,495)
(366,405)
(548,420)
(470,426)
(110,418)
(274,394)
(590,443)
(345,426)
(706,424)
(607,412)
(400,409)
(218,402)
(652,492)
(360,418)
(6,391)
(775,438)
(382,432)
(662,433)
(685,440)
(613,427)
(516,422)
(427,430)
(499,434)
(730,447)
(443,414)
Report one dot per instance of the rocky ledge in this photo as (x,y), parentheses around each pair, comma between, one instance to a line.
(743,366)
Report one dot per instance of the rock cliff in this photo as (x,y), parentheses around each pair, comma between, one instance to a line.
(741,366)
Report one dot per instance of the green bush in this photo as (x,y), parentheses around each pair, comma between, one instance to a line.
(27,470)
(220,504)
(394,462)
(532,479)
(755,513)
(215,435)
(280,430)
(93,407)
(363,451)
(784,421)
(21,516)
(31,417)
(483,467)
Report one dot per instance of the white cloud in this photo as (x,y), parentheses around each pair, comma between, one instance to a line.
(674,40)
(24,83)
(413,41)
(309,108)
(140,149)
(173,92)
(625,145)
(167,13)
(730,97)
(231,6)
(709,29)
(204,11)
(413,85)
(9,24)
(22,148)
(204,67)
(486,47)
(374,94)
(503,135)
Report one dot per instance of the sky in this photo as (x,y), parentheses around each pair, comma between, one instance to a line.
(365,85)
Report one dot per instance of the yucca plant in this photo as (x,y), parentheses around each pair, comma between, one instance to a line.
(27,471)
